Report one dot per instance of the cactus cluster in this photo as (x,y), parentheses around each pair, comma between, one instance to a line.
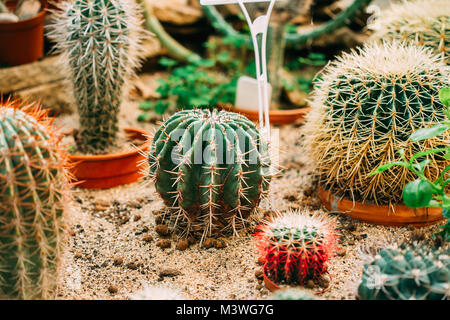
(295,247)
(101,46)
(365,108)
(408,272)
(211,168)
(33,185)
(292,294)
(158,293)
(423,22)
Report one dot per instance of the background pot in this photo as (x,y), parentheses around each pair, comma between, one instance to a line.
(111,170)
(395,215)
(23,41)
(277,117)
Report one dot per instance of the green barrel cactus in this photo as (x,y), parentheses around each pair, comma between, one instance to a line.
(32,188)
(100,42)
(211,168)
(365,108)
(292,294)
(423,22)
(407,273)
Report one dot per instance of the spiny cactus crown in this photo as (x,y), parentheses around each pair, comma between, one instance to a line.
(369,102)
(408,272)
(33,184)
(292,294)
(211,169)
(158,293)
(295,246)
(423,22)
(101,46)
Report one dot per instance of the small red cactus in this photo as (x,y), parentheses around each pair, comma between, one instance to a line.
(295,247)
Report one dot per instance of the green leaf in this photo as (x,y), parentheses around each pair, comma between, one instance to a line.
(205,63)
(146,105)
(427,133)
(161,107)
(444,96)
(223,57)
(168,63)
(387,166)
(421,165)
(418,194)
(426,153)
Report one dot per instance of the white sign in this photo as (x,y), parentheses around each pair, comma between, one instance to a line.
(257,27)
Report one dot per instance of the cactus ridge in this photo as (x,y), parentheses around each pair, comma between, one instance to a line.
(408,272)
(295,247)
(211,168)
(369,102)
(423,22)
(33,183)
(101,46)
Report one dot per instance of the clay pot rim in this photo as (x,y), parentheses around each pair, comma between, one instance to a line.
(272,286)
(362,207)
(26,23)
(115,156)
(277,117)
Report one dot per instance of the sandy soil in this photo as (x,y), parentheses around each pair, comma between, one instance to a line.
(108,254)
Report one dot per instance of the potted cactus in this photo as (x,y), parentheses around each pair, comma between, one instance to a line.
(369,103)
(100,42)
(211,168)
(295,247)
(21,31)
(33,191)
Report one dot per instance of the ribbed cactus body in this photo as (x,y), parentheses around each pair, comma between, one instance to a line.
(212,168)
(423,22)
(32,184)
(407,273)
(364,111)
(100,41)
(295,247)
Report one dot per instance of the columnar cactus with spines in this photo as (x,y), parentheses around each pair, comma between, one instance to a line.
(413,272)
(100,41)
(423,22)
(33,184)
(365,109)
(295,247)
(211,169)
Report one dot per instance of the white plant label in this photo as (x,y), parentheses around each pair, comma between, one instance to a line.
(257,27)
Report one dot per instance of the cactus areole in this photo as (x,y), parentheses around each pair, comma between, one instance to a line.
(32,187)
(211,168)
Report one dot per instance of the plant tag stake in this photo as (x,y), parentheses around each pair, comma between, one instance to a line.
(257,27)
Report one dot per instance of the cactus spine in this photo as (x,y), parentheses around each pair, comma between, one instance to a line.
(32,186)
(295,246)
(100,41)
(413,272)
(423,22)
(365,109)
(211,169)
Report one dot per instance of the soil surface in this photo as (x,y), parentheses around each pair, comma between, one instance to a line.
(111,248)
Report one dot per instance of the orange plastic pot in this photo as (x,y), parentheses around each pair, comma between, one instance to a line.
(277,117)
(23,41)
(111,170)
(394,215)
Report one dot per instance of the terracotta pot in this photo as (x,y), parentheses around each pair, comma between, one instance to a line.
(272,286)
(111,170)
(396,215)
(277,117)
(23,41)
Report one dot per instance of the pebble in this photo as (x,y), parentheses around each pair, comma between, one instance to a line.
(220,244)
(341,252)
(162,230)
(182,245)
(209,243)
(324,281)
(310,284)
(164,243)
(169,272)
(118,261)
(259,273)
(147,238)
(78,255)
(113,289)
(137,217)
(132,266)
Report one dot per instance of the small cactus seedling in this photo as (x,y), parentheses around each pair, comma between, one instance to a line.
(211,169)
(295,247)
(101,46)
(292,294)
(365,109)
(158,293)
(413,272)
(423,22)
(33,184)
